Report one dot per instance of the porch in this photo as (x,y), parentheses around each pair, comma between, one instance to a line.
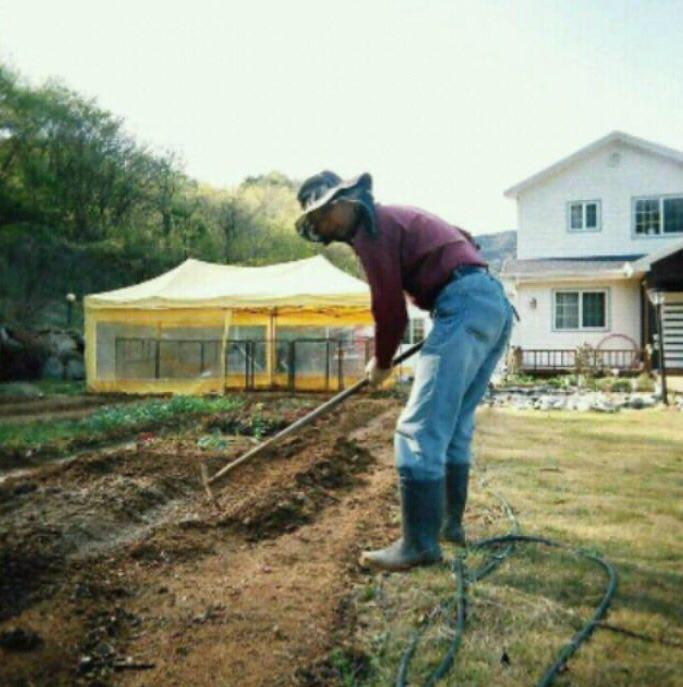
(548,362)
(661,272)
(666,276)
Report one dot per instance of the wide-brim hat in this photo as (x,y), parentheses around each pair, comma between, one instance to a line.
(321,189)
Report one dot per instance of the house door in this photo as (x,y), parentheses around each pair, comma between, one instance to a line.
(672,330)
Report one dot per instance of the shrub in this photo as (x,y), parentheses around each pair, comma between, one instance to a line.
(645,383)
(623,385)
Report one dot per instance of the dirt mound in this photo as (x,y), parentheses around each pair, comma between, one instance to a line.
(271,509)
(79,509)
(117,559)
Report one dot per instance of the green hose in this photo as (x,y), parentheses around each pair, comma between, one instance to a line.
(463,579)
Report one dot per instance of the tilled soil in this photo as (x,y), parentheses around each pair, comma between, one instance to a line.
(130,576)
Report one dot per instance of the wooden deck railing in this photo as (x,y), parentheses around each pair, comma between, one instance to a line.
(565,358)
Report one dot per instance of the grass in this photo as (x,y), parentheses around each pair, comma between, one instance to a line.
(107,422)
(46,387)
(611,484)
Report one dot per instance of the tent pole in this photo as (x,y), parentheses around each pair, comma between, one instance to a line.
(157,353)
(227,317)
(270,350)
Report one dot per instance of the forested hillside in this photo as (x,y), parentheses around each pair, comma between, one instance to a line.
(497,247)
(84,207)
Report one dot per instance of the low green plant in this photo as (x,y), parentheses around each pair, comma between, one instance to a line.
(620,385)
(555,382)
(214,441)
(57,387)
(519,379)
(351,668)
(645,383)
(109,421)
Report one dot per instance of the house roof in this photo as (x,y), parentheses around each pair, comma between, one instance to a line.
(614,136)
(645,263)
(615,266)
(582,268)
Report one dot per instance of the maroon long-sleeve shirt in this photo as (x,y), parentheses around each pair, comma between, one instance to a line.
(414,252)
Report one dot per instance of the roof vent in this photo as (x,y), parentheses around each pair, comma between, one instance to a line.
(614,159)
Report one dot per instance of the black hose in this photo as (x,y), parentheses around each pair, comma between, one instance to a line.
(445,665)
(457,568)
(463,579)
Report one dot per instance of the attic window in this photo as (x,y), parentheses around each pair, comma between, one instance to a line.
(584,216)
(658,215)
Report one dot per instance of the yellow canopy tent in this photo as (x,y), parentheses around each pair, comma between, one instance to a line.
(203,327)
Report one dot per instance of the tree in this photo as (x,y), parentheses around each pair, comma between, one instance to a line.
(85,208)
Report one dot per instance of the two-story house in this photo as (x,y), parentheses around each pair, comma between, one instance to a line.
(597,232)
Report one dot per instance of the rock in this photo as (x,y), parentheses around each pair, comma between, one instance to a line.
(105,650)
(74,369)
(550,402)
(583,405)
(642,402)
(53,368)
(86,665)
(8,341)
(46,353)
(603,406)
(18,639)
(60,342)
(572,402)
(523,404)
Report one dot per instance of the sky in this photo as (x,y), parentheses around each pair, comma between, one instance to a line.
(446,103)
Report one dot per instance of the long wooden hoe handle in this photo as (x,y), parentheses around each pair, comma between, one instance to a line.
(298,424)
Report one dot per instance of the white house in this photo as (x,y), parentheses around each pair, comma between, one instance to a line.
(597,231)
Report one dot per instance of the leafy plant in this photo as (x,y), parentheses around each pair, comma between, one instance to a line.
(645,383)
(109,421)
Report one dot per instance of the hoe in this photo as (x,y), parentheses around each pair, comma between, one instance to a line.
(295,426)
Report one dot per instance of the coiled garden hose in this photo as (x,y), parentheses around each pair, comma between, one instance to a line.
(464,579)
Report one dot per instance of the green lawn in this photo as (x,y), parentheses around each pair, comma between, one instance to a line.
(606,483)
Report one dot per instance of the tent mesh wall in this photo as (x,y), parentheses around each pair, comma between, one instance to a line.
(214,350)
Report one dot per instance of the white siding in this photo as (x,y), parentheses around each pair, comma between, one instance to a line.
(542,209)
(536,329)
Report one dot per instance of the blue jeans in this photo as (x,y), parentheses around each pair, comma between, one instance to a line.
(472,325)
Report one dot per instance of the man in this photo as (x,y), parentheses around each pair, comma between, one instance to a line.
(403,249)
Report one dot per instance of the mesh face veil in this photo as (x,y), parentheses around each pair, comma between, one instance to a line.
(306,230)
(318,191)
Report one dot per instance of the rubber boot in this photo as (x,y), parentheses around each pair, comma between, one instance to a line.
(421,515)
(457,478)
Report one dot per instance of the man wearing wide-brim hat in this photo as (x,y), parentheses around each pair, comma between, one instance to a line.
(407,250)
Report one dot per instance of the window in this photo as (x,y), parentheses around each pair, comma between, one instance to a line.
(407,332)
(593,311)
(673,215)
(584,216)
(580,309)
(418,330)
(414,331)
(567,310)
(657,216)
